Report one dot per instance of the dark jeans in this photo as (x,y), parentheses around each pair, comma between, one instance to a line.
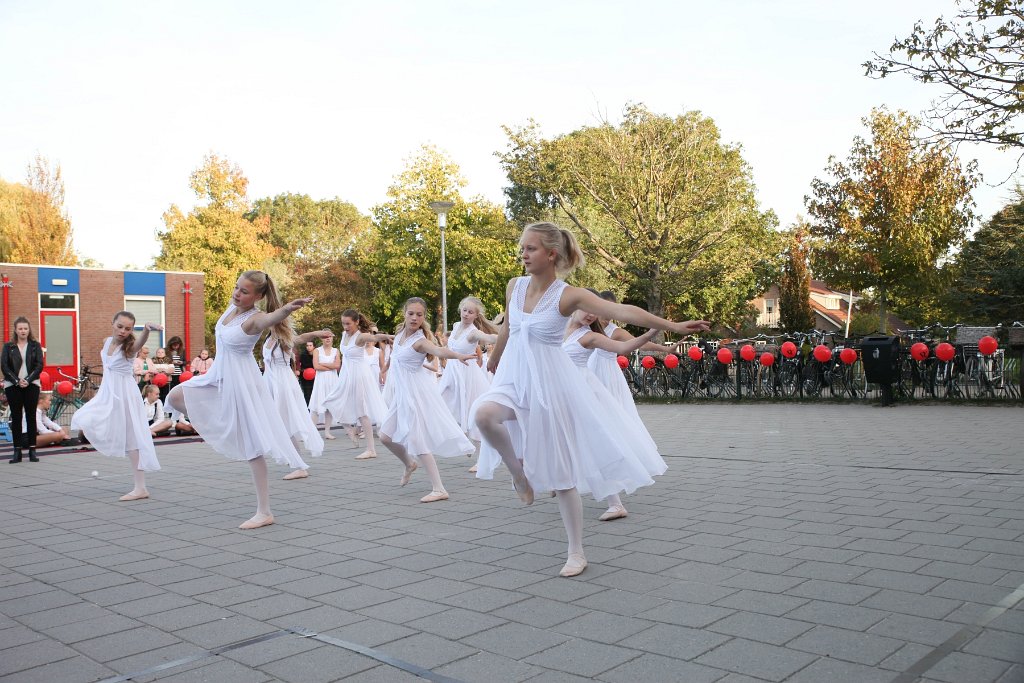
(307,388)
(26,400)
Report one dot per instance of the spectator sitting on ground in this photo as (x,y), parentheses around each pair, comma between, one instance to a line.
(159,425)
(201,363)
(182,426)
(48,432)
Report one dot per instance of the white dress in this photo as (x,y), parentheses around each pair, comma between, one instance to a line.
(231,407)
(286,394)
(563,434)
(373,359)
(356,394)
(114,420)
(605,366)
(324,383)
(417,418)
(628,423)
(461,384)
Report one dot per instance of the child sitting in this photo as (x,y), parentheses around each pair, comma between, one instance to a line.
(159,425)
(48,432)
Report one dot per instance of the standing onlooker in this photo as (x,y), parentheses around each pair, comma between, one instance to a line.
(305,362)
(22,362)
(176,350)
(141,367)
(162,363)
(201,363)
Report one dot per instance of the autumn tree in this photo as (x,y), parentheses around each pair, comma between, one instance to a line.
(976,58)
(988,273)
(402,256)
(661,204)
(795,285)
(215,238)
(888,214)
(34,226)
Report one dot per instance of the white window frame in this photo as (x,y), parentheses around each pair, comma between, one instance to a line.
(139,324)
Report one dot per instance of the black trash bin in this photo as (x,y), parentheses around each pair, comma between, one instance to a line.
(881,357)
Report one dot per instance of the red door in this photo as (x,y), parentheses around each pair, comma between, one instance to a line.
(58,334)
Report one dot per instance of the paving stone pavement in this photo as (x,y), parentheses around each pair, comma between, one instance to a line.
(798,543)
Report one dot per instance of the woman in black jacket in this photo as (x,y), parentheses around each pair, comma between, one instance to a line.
(22,362)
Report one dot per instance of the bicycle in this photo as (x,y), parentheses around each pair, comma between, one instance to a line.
(85,388)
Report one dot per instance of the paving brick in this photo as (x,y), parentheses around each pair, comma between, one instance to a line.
(582,658)
(515,641)
(761,627)
(674,641)
(998,645)
(764,603)
(851,646)
(958,667)
(766,662)
(320,665)
(835,670)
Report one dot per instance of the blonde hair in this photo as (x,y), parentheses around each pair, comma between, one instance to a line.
(426,321)
(272,301)
(481,322)
(568,255)
(149,389)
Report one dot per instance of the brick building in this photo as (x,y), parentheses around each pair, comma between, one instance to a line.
(71,309)
(830,307)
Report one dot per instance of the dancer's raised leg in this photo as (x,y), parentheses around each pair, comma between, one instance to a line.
(616,510)
(262,484)
(400,453)
(490,420)
(570,506)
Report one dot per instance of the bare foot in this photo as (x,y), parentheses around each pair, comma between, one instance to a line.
(473,469)
(296,474)
(408,473)
(329,436)
(257,521)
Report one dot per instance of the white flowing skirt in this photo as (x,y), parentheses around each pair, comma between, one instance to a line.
(460,385)
(418,419)
(286,394)
(356,395)
(324,383)
(114,421)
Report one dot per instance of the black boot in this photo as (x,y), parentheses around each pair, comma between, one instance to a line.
(16,458)
(32,454)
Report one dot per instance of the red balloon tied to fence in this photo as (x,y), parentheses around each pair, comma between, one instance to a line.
(945,352)
(822,353)
(919,351)
(848,356)
(695,353)
(648,362)
(767,359)
(671,361)
(160,379)
(988,345)
(310,374)
(789,350)
(724,356)
(185,376)
(748,353)
(45,383)
(65,388)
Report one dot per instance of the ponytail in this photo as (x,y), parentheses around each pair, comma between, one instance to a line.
(129,342)
(362,322)
(271,302)
(481,322)
(568,255)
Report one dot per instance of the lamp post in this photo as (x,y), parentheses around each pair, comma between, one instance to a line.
(442,209)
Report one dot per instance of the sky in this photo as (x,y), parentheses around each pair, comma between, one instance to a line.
(331,98)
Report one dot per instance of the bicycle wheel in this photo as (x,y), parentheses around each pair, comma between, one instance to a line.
(837,381)
(718,381)
(972,380)
(858,381)
(789,380)
(811,382)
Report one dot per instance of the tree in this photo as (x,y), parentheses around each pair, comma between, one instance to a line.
(978,58)
(890,213)
(306,230)
(402,256)
(661,204)
(215,238)
(34,226)
(795,285)
(989,270)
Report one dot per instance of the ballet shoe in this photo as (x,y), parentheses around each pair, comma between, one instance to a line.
(329,436)
(472,470)
(134,496)
(297,474)
(256,524)
(408,474)
(366,455)
(617,512)
(354,439)
(574,566)
(525,492)
(434,496)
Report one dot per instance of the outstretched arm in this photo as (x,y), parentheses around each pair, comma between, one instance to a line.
(140,341)
(424,346)
(364,338)
(309,336)
(653,347)
(481,337)
(261,321)
(598,340)
(578,299)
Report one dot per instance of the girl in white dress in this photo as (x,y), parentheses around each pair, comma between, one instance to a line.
(230,405)
(539,416)
(584,339)
(286,393)
(356,399)
(326,362)
(114,420)
(417,426)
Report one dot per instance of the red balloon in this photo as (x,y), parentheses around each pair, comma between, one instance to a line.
(185,376)
(748,353)
(767,359)
(695,353)
(310,373)
(724,356)
(160,379)
(671,361)
(822,353)
(789,350)
(65,388)
(919,351)
(848,356)
(945,352)
(648,362)
(45,383)
(988,345)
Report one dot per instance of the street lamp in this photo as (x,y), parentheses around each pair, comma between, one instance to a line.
(442,209)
